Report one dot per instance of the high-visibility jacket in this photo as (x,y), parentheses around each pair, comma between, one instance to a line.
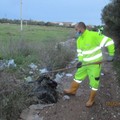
(89,46)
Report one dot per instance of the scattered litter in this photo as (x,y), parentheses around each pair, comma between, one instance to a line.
(7,64)
(29,79)
(44,70)
(11,63)
(73,62)
(76,59)
(31,72)
(102,74)
(69,75)
(58,77)
(33,66)
(2,65)
(66,97)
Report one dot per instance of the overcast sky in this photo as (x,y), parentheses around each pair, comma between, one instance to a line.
(88,11)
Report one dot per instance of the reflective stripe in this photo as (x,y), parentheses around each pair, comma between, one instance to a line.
(80,54)
(109,43)
(91,51)
(78,81)
(94,89)
(79,50)
(93,58)
(103,41)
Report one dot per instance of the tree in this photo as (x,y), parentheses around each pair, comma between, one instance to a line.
(111,19)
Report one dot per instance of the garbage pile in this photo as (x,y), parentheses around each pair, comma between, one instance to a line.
(46,90)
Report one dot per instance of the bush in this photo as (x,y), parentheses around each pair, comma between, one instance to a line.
(13,97)
(55,58)
(111,18)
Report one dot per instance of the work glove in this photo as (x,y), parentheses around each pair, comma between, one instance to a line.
(79,65)
(110,58)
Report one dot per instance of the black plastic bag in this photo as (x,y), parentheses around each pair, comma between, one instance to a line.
(46,90)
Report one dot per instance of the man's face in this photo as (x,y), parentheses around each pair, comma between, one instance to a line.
(78,32)
(78,29)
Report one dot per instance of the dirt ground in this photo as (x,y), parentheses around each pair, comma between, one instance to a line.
(107,101)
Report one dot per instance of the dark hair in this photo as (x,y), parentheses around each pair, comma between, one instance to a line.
(82,25)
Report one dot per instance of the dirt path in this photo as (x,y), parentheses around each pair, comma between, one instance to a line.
(106,107)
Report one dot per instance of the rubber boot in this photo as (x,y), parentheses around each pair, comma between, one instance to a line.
(91,100)
(73,88)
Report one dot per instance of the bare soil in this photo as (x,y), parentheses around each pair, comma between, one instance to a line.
(106,107)
(107,101)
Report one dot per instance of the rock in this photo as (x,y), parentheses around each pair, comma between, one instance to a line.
(31,113)
(40,106)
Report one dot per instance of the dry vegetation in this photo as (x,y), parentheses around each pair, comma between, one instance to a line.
(35,45)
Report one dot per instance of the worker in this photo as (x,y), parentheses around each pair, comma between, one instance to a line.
(100,30)
(89,45)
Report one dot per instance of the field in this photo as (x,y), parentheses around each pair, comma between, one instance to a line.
(27,45)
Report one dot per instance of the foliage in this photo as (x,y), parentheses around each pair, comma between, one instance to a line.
(13,99)
(111,18)
(117,69)
(32,43)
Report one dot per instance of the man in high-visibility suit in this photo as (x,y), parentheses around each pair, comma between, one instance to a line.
(89,49)
(100,30)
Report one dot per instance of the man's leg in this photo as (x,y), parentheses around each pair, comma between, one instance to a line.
(94,76)
(91,100)
(73,88)
(79,77)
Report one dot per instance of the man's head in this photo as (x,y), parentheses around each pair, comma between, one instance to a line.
(80,27)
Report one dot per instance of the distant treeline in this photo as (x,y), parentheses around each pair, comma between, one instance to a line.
(33,22)
(25,22)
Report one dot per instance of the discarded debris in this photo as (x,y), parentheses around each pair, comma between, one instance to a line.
(7,64)
(43,71)
(102,74)
(33,66)
(11,63)
(46,90)
(69,75)
(28,79)
(58,77)
(66,97)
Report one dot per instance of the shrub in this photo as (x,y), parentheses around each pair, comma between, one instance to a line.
(13,97)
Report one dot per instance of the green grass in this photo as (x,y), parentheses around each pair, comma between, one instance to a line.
(34,33)
(32,41)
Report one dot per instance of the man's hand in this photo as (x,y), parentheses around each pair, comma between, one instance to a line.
(79,65)
(110,58)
